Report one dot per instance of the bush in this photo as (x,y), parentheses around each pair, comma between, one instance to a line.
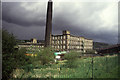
(11,58)
(21,59)
(8,43)
(90,52)
(71,58)
(45,56)
(71,55)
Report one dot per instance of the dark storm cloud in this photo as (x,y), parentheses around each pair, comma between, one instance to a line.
(100,36)
(13,12)
(90,20)
(97,21)
(25,32)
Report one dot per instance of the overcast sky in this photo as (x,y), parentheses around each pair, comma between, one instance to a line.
(94,20)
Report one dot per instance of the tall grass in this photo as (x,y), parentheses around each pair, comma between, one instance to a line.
(102,67)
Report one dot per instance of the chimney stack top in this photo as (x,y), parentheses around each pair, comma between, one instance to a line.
(50,0)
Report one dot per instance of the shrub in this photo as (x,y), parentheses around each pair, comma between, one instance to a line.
(21,59)
(90,52)
(8,43)
(11,58)
(71,58)
(45,56)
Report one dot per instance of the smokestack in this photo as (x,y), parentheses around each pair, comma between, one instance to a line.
(48,24)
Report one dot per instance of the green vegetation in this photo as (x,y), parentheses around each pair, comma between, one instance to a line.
(97,45)
(8,43)
(45,56)
(103,67)
(11,58)
(71,58)
(90,52)
(18,65)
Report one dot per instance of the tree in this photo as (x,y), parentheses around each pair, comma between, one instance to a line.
(11,58)
(71,58)
(90,51)
(21,59)
(45,56)
(8,43)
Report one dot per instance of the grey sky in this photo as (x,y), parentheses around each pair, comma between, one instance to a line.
(94,20)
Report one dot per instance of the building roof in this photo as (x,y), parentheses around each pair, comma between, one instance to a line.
(72,35)
(59,35)
(31,44)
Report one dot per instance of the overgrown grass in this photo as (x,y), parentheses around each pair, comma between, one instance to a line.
(102,67)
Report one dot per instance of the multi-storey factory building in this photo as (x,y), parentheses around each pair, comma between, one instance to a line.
(68,42)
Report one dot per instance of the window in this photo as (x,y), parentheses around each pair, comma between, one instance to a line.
(61,42)
(63,47)
(64,37)
(53,42)
(64,42)
(53,37)
(68,42)
(61,37)
(68,36)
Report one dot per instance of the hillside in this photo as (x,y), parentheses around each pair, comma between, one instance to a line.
(97,45)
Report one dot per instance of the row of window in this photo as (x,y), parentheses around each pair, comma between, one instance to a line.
(63,42)
(88,44)
(71,43)
(29,46)
(71,47)
(59,37)
(75,38)
(59,47)
(78,47)
(88,41)
(88,47)
(59,42)
(71,38)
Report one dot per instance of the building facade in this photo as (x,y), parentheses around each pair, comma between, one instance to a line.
(34,40)
(68,42)
(32,43)
(64,42)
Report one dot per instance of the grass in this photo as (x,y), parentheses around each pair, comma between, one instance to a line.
(103,67)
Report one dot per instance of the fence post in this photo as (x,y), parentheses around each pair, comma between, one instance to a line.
(92,68)
(106,65)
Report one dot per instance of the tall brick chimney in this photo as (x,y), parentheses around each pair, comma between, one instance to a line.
(48,31)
